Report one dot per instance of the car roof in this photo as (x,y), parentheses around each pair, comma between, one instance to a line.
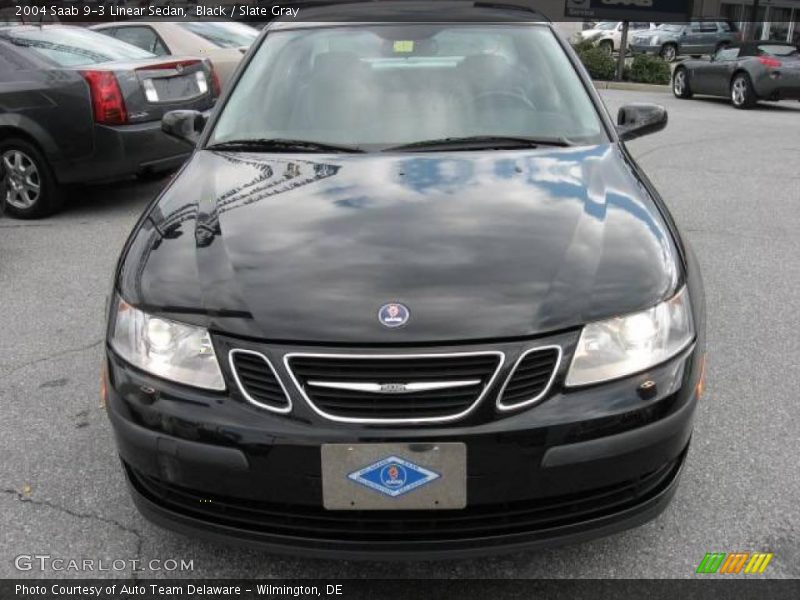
(325,12)
(750,47)
(38,27)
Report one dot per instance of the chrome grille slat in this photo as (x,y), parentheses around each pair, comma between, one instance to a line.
(531,378)
(392,406)
(258,381)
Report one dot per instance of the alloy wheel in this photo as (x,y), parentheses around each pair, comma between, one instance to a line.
(739,91)
(23,180)
(669,53)
(679,84)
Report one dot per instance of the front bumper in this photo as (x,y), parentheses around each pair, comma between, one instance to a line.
(581,464)
(644,49)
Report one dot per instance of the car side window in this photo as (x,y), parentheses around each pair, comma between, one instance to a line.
(640,25)
(696,27)
(727,54)
(143,37)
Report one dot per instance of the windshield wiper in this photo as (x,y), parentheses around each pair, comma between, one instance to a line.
(483,142)
(281,145)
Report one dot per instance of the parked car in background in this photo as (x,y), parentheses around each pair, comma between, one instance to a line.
(670,40)
(223,43)
(76,106)
(746,73)
(608,34)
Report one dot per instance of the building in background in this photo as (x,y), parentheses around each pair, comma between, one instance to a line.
(774,19)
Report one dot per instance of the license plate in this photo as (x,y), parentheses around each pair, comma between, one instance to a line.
(395,476)
(176,88)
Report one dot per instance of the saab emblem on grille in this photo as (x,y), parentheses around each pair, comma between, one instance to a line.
(393,315)
(394,388)
(393,476)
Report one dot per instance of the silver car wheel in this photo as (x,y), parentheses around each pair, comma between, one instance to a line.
(23,181)
(739,91)
(669,53)
(679,85)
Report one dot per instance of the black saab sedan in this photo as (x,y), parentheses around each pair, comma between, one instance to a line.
(410,297)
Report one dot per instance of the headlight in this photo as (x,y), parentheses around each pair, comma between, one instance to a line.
(166,348)
(626,345)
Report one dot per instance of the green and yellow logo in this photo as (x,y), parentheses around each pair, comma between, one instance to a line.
(733,563)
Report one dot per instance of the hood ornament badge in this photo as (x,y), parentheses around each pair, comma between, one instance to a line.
(393,315)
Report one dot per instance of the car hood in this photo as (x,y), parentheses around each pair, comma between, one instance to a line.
(477,245)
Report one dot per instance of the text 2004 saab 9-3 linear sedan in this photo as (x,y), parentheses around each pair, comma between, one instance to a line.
(411,296)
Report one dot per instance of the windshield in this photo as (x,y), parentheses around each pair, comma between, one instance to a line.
(606,25)
(224,35)
(669,27)
(74,46)
(377,86)
(778,50)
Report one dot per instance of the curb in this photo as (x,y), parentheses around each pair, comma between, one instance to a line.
(626,85)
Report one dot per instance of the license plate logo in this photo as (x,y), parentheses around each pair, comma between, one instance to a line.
(393,476)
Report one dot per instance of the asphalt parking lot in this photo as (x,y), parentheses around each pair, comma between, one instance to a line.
(732,182)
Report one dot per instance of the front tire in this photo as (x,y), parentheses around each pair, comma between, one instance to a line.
(28,189)
(669,52)
(607,46)
(680,84)
(743,95)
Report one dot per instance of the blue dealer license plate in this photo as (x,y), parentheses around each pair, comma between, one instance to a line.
(396,476)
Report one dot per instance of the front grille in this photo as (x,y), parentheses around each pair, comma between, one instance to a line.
(258,381)
(394,388)
(469,524)
(530,379)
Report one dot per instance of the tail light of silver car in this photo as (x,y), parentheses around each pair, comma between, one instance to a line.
(108,105)
(216,88)
(770,62)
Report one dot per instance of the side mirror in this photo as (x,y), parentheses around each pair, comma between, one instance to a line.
(185,125)
(636,120)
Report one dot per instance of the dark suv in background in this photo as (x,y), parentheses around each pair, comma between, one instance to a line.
(671,40)
(77,106)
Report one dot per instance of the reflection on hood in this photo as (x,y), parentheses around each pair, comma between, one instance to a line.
(477,244)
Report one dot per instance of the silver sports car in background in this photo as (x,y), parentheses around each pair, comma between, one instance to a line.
(746,72)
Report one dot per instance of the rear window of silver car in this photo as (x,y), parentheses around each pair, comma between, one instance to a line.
(223,35)
(73,46)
